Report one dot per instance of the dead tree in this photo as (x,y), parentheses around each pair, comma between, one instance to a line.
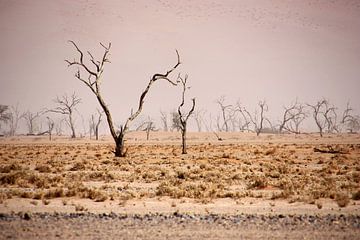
(184,116)
(259,119)
(50,125)
(95,122)
(30,119)
(225,114)
(244,120)
(66,106)
(175,121)
(93,82)
(199,118)
(353,125)
(15,117)
(349,120)
(4,114)
(59,127)
(318,111)
(293,116)
(164,120)
(150,126)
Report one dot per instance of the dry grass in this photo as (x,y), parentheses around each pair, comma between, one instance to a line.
(290,171)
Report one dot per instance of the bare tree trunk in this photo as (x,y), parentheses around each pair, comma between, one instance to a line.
(73,134)
(184,117)
(183,138)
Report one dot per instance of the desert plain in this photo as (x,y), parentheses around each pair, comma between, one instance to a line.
(272,186)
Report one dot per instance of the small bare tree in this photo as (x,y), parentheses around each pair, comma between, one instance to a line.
(226,110)
(318,111)
(198,116)
(259,118)
(164,121)
(93,82)
(30,119)
(50,125)
(175,121)
(95,122)
(183,117)
(4,114)
(66,106)
(150,126)
(244,120)
(59,126)
(15,117)
(350,121)
(293,116)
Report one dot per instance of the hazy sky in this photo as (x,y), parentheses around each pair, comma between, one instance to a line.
(249,50)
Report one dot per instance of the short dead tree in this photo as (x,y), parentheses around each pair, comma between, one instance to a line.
(175,121)
(14,119)
(4,114)
(226,114)
(324,116)
(259,118)
(349,121)
(244,120)
(183,117)
(95,122)
(94,73)
(66,106)
(30,119)
(293,116)
(199,118)
(164,121)
(50,125)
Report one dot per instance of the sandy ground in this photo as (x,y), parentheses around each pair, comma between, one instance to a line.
(272,186)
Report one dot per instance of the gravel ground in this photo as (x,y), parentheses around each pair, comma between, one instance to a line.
(177,226)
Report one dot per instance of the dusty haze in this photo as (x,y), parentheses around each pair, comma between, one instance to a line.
(246,50)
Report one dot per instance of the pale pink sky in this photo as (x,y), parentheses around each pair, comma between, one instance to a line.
(248,50)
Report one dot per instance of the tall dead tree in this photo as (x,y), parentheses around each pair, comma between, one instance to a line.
(183,117)
(95,122)
(94,73)
(293,116)
(66,106)
(30,119)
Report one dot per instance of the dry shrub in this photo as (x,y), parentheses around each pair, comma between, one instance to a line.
(54,193)
(10,179)
(10,167)
(271,151)
(342,199)
(257,182)
(45,201)
(93,194)
(80,208)
(78,166)
(356,195)
(43,168)
(197,190)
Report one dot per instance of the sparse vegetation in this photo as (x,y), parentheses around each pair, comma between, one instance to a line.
(227,170)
